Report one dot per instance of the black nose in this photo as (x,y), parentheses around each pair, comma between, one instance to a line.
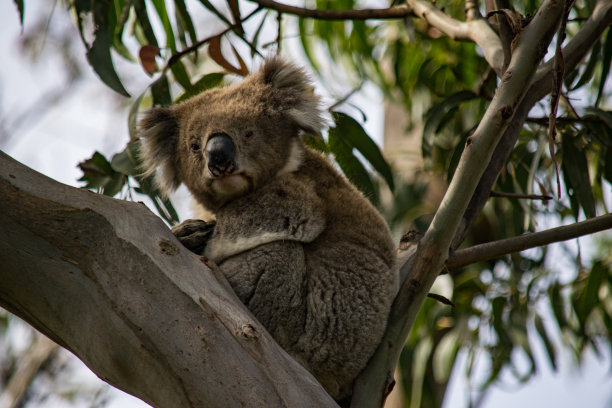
(220,155)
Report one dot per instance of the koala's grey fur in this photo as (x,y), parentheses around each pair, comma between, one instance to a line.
(303,249)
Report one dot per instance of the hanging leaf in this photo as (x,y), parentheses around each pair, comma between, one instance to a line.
(351,166)
(576,174)
(162,12)
(438,115)
(98,54)
(354,136)
(147,56)
(590,68)
(143,20)
(548,345)
(160,89)
(20,9)
(605,65)
(125,162)
(214,50)
(185,18)
(133,117)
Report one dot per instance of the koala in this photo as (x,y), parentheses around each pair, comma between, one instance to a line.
(302,248)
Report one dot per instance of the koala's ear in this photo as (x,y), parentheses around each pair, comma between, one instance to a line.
(159,134)
(298,93)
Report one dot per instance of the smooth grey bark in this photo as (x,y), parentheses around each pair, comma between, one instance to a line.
(107,280)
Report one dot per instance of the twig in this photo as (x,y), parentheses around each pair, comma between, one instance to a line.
(363,14)
(175,57)
(565,120)
(521,196)
(557,77)
(345,97)
(496,249)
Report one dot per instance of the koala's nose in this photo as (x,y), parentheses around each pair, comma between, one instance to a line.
(220,155)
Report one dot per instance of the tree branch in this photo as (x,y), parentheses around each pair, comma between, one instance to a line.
(520,196)
(363,14)
(573,52)
(433,249)
(496,249)
(107,280)
(180,54)
(475,29)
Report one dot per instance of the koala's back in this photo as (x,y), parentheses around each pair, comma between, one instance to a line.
(325,291)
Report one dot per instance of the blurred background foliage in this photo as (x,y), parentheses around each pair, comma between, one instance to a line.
(437,90)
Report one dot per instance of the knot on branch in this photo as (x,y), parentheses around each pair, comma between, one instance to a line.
(506,112)
(168,248)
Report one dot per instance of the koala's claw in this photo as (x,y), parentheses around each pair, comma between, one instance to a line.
(194,234)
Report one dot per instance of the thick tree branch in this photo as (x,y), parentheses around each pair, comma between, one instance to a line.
(506,246)
(107,280)
(576,49)
(433,249)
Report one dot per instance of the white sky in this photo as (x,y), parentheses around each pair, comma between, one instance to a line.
(91,119)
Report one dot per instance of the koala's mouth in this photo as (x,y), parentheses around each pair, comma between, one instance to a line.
(231,184)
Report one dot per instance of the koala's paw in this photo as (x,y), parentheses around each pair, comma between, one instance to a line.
(194,234)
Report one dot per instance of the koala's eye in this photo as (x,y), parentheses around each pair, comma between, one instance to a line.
(195,147)
(248,135)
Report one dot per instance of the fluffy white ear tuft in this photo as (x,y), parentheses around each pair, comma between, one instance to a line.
(159,134)
(297,93)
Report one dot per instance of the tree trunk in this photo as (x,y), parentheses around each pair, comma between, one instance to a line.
(107,280)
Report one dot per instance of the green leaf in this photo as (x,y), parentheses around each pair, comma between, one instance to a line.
(548,345)
(355,136)
(605,65)
(143,20)
(20,8)
(99,175)
(98,54)
(160,7)
(185,18)
(180,74)
(576,175)
(590,68)
(351,166)
(207,81)
(125,162)
(589,298)
(133,117)
(437,115)
(160,89)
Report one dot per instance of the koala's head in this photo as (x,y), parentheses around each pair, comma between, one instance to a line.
(227,142)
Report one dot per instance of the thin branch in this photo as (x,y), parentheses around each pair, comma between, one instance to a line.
(521,196)
(363,14)
(180,54)
(565,120)
(476,29)
(502,247)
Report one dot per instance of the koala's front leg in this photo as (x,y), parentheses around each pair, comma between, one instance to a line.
(194,234)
